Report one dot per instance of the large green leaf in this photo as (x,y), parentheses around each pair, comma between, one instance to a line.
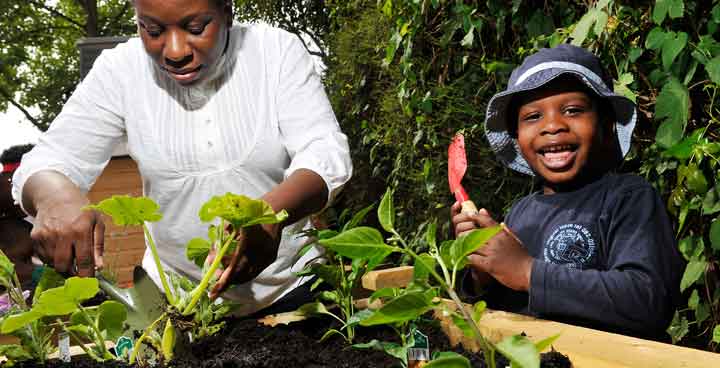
(49,279)
(65,300)
(406,307)
(16,321)
(240,211)
(674,8)
(386,211)
(583,26)
(126,210)
(197,251)
(655,39)
(111,317)
(358,243)
(520,350)
(7,268)
(672,106)
(467,244)
(713,69)
(693,272)
(716,334)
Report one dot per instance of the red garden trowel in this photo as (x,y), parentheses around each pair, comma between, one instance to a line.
(457,164)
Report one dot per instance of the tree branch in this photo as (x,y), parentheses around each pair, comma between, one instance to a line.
(56,13)
(6,95)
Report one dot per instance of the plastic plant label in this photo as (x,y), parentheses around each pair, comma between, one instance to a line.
(420,350)
(64,347)
(123,347)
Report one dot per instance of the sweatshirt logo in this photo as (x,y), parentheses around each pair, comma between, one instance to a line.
(572,245)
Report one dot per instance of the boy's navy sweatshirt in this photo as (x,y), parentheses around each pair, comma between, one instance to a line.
(605,257)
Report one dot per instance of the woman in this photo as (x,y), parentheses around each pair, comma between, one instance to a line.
(207,107)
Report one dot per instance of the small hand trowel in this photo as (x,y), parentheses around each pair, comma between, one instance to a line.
(144,301)
(457,165)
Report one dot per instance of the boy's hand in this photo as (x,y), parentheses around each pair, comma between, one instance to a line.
(506,259)
(463,223)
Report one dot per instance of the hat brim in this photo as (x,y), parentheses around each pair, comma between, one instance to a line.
(496,118)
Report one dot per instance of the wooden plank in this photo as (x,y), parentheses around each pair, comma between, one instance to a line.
(391,277)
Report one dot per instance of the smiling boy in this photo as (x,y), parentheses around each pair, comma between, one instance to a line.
(592,247)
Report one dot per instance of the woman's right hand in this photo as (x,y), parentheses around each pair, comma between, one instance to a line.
(67,237)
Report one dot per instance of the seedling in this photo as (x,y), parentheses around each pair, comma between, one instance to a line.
(95,324)
(190,310)
(420,296)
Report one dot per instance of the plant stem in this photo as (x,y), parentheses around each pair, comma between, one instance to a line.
(80,343)
(99,340)
(488,350)
(202,287)
(136,348)
(158,265)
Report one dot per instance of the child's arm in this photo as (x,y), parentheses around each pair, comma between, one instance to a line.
(638,289)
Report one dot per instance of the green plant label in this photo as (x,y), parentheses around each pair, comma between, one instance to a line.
(420,350)
(123,347)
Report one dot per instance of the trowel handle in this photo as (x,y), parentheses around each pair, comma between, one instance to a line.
(469,208)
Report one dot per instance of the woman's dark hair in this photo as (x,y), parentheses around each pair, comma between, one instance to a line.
(15,153)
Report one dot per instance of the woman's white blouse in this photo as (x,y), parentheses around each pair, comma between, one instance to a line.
(263,118)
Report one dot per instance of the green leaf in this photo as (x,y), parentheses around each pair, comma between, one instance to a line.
(635,54)
(315,308)
(358,217)
(691,247)
(716,334)
(395,350)
(674,8)
(383,293)
(695,179)
(478,310)
(684,149)
(421,269)
(64,300)
(469,243)
(463,325)
(431,234)
(546,343)
(655,39)
(713,69)
(7,268)
(126,210)
(49,279)
(679,327)
(197,251)
(583,26)
(673,45)
(449,360)
(404,308)
(358,243)
(600,22)
(711,202)
(111,316)
(672,106)
(330,274)
(702,312)
(16,321)
(386,211)
(715,234)
(520,350)
(469,38)
(693,272)
(621,86)
(14,353)
(241,211)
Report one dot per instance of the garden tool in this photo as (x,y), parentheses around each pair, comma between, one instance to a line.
(457,165)
(144,301)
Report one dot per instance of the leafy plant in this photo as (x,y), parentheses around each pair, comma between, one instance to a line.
(95,324)
(35,335)
(421,295)
(189,308)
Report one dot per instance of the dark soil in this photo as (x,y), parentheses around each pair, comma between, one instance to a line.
(247,344)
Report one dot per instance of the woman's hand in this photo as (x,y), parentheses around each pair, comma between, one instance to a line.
(257,248)
(68,238)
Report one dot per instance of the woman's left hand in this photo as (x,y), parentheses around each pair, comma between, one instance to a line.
(257,248)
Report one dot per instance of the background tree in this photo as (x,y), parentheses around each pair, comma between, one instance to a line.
(38,58)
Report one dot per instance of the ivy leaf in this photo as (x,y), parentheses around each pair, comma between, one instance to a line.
(128,211)
(672,106)
(673,45)
(241,211)
(358,243)
(520,350)
(655,39)
(679,327)
(386,211)
(197,251)
(693,271)
(674,8)
(404,308)
(713,69)
(715,234)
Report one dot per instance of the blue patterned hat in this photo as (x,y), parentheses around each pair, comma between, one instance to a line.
(536,71)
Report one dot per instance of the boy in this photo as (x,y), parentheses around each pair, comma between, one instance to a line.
(592,247)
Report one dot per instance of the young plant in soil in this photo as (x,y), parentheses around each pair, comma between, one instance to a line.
(190,310)
(421,296)
(94,324)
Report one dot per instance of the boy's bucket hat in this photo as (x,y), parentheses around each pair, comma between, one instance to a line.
(536,71)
